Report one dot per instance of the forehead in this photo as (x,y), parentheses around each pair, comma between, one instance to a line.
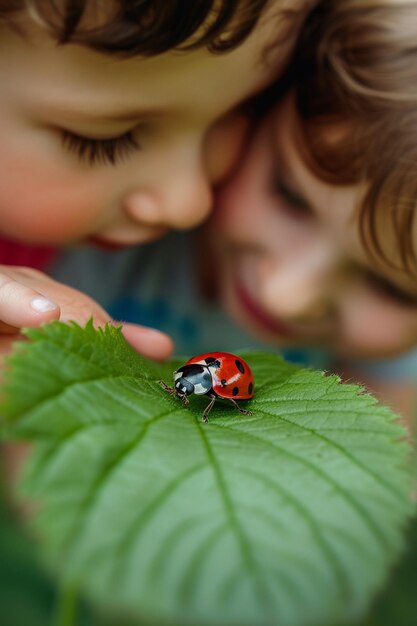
(76,72)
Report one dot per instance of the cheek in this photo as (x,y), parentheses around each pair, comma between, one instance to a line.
(225,146)
(243,202)
(376,328)
(249,214)
(42,203)
(231,208)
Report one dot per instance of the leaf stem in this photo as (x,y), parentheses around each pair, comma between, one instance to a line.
(66,606)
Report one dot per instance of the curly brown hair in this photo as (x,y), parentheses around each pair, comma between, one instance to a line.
(355,68)
(144,27)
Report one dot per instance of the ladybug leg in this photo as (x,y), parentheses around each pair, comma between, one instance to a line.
(173,392)
(243,411)
(208,409)
(170,390)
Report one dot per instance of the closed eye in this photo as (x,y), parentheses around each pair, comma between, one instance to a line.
(100,151)
(293,202)
(389,290)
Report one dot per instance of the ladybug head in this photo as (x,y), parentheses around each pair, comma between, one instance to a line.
(183,387)
(192,378)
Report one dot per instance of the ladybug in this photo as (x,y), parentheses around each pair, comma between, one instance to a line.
(216,375)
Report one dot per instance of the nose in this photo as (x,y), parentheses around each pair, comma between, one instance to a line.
(301,289)
(179,195)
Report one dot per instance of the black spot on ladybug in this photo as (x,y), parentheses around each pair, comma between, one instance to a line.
(210,360)
(223,382)
(240,366)
(235,391)
(250,388)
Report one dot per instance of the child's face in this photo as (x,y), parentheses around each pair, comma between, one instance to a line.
(119,150)
(292,266)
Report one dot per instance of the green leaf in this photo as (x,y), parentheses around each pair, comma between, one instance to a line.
(290,516)
(396,602)
(26,594)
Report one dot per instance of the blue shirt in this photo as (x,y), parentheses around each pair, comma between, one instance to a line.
(156,285)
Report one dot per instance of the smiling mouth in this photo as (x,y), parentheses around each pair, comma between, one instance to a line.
(261,317)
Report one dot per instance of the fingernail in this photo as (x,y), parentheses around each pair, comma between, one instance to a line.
(42,305)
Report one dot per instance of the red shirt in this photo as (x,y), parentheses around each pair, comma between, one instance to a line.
(16,253)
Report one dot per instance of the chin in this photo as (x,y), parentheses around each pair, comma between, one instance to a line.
(376,352)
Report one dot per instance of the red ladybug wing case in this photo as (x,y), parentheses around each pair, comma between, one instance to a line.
(232,376)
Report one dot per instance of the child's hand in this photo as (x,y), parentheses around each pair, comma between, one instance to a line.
(30,298)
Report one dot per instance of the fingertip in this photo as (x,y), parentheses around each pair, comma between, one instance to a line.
(21,306)
(149,342)
(46,310)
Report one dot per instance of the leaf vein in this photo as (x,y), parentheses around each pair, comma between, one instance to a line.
(260,588)
(390,488)
(102,479)
(328,553)
(363,513)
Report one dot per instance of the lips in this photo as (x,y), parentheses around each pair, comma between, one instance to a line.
(259,316)
(105,245)
(148,236)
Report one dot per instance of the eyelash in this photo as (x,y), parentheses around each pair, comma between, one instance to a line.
(105,151)
(389,291)
(292,203)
